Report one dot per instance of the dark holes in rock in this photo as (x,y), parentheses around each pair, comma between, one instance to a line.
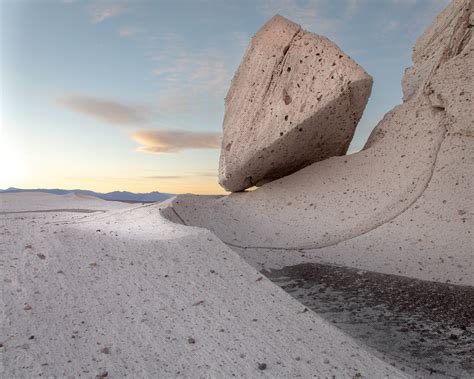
(286,97)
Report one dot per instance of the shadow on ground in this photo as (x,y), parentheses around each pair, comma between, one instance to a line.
(424,328)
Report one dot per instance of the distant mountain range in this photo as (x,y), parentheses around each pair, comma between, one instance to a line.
(113,196)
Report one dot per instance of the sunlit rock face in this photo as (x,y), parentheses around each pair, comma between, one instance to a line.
(403,205)
(295,99)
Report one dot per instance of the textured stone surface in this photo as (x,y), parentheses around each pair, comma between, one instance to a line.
(126,293)
(403,205)
(295,99)
(443,38)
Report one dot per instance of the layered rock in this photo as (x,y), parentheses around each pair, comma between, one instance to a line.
(295,99)
(403,205)
(443,39)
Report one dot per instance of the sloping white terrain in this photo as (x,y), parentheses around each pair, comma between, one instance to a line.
(128,293)
(39,201)
(104,289)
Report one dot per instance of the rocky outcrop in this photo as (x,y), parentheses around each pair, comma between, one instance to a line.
(403,205)
(444,38)
(295,99)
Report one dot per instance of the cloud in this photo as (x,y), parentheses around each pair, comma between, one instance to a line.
(203,70)
(191,79)
(408,3)
(392,25)
(164,177)
(426,4)
(177,103)
(242,39)
(101,11)
(126,31)
(189,175)
(308,13)
(352,6)
(417,16)
(173,141)
(207,174)
(313,15)
(109,111)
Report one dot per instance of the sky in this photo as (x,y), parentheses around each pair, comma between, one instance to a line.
(129,95)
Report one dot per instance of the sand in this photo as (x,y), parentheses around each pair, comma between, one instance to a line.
(125,292)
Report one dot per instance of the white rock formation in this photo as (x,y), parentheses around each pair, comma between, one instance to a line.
(127,293)
(295,99)
(38,201)
(403,205)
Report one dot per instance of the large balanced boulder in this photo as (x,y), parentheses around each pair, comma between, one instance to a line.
(296,99)
(403,205)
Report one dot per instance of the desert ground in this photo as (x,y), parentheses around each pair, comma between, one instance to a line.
(96,288)
(336,266)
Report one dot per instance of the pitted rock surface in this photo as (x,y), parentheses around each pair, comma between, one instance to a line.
(403,205)
(295,99)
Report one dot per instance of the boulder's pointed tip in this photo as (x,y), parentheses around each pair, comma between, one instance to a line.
(278,19)
(277,16)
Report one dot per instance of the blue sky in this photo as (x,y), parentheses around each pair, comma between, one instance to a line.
(129,95)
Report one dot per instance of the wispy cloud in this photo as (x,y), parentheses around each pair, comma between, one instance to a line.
(164,177)
(177,102)
(186,176)
(191,79)
(103,10)
(392,25)
(425,4)
(351,7)
(312,15)
(205,70)
(126,31)
(109,111)
(242,39)
(409,23)
(172,141)
(308,13)
(207,174)
(404,2)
